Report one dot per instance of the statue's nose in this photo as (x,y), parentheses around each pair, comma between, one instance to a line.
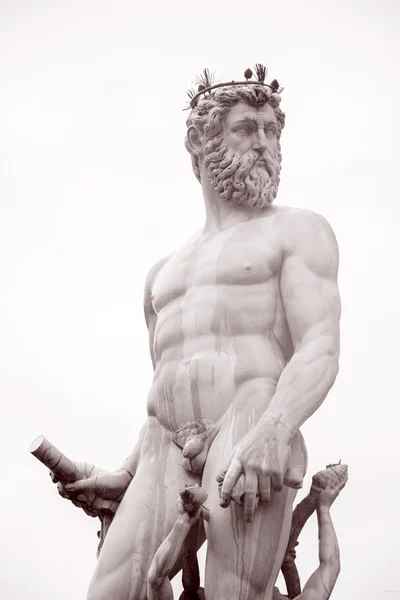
(260,143)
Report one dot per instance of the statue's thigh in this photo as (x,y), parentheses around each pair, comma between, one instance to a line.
(143,520)
(243,559)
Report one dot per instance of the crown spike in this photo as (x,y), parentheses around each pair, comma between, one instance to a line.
(191,93)
(261,72)
(206,78)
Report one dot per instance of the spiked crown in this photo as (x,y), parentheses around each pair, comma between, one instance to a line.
(206,83)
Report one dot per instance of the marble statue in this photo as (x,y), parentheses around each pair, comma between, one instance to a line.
(243,324)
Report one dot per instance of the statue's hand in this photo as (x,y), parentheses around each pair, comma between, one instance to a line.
(188,517)
(335,481)
(97,490)
(262,457)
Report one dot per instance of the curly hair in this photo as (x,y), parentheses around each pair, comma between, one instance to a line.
(210,112)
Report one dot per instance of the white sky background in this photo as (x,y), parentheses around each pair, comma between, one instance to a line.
(96,185)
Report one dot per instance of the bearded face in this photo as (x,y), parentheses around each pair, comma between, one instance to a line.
(251,178)
(243,160)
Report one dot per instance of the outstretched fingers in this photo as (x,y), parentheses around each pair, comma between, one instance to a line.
(231,477)
(276,481)
(250,496)
(264,486)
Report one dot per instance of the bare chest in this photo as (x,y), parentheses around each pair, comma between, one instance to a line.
(234,260)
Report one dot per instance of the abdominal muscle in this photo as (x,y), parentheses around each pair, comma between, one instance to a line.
(197,381)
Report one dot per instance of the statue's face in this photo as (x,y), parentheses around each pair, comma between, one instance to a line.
(245,167)
(250,130)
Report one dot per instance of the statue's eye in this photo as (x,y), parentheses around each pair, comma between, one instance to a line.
(242,131)
(270,132)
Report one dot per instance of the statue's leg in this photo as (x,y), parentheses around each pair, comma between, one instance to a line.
(244,559)
(143,520)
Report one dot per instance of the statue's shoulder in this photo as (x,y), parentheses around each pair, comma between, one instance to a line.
(152,274)
(157,267)
(301,226)
(299,217)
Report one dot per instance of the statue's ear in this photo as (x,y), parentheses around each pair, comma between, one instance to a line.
(194,140)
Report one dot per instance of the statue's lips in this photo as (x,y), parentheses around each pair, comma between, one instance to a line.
(261,159)
(262,162)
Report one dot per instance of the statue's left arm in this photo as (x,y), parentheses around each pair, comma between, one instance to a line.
(311,302)
(310,297)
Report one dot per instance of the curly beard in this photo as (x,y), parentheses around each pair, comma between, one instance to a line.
(249,179)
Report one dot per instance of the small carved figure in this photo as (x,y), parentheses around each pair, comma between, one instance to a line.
(322,581)
(184,533)
(333,473)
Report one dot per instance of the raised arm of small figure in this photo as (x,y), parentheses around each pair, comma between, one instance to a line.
(322,581)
